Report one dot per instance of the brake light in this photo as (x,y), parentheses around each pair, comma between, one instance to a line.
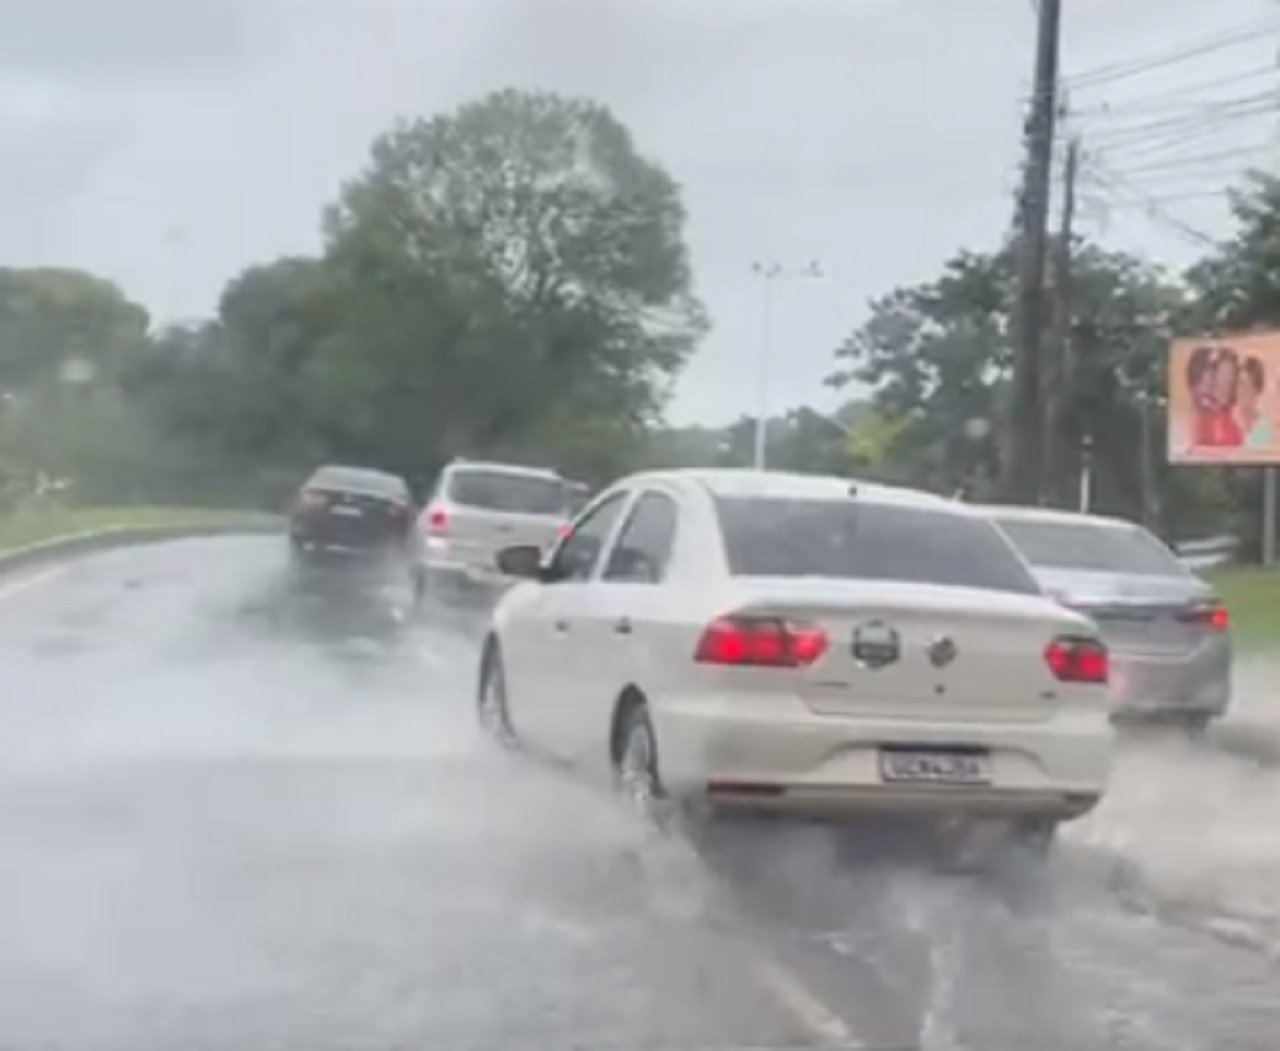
(760,641)
(1213,617)
(1078,660)
(437,520)
(564,530)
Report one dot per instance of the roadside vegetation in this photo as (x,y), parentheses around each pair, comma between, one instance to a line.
(1252,596)
(511,279)
(33,525)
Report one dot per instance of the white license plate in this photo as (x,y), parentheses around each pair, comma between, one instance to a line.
(347,512)
(936,767)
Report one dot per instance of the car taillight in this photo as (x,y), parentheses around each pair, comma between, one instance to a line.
(437,520)
(1078,660)
(1212,617)
(760,641)
(564,530)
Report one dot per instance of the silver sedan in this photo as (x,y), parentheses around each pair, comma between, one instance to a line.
(1168,634)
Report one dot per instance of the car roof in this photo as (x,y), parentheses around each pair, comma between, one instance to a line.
(786,485)
(345,475)
(1053,515)
(504,468)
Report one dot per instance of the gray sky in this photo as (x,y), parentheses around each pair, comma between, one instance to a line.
(168,145)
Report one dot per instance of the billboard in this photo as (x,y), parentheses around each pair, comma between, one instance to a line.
(1224,399)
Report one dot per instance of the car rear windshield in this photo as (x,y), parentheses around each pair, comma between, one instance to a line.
(1091,548)
(360,480)
(507,491)
(865,541)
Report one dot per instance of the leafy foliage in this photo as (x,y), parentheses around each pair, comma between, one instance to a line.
(937,358)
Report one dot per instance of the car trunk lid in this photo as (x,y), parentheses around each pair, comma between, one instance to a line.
(920,651)
(1138,614)
(476,535)
(352,518)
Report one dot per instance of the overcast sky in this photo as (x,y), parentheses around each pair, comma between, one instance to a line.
(167,144)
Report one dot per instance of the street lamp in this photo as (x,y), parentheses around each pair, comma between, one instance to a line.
(771,272)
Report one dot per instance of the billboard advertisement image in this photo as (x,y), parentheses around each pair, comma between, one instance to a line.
(1224,399)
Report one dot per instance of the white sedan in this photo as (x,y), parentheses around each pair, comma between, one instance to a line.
(800,644)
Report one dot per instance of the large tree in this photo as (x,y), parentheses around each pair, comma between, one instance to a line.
(50,316)
(503,267)
(937,356)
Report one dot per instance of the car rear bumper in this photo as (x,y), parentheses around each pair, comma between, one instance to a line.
(353,541)
(770,754)
(1149,686)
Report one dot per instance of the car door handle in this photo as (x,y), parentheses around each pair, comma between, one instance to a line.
(562,627)
(622,626)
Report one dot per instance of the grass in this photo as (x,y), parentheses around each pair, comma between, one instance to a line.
(1252,596)
(33,525)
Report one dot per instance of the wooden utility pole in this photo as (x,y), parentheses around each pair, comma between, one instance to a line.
(1024,439)
(1059,376)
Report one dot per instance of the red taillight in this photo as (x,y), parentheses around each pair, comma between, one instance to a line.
(437,519)
(760,641)
(1078,660)
(564,530)
(1213,617)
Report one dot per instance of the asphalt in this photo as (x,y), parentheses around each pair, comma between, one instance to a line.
(240,809)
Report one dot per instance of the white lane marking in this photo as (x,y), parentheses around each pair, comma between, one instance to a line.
(18,587)
(803,1005)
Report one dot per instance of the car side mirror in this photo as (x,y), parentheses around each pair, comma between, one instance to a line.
(521,560)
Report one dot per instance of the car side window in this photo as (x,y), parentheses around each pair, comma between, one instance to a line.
(644,546)
(578,555)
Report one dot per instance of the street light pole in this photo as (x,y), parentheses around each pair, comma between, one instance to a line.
(770,272)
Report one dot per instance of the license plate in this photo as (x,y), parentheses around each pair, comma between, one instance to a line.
(346,511)
(936,767)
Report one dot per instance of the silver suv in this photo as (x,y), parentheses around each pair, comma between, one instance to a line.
(475,510)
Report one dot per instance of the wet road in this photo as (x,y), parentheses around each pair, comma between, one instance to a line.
(239,813)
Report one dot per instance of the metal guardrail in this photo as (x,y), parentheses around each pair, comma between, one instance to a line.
(1207,553)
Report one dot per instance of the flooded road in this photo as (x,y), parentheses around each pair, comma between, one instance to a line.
(240,812)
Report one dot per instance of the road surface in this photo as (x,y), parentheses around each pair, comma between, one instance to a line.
(240,812)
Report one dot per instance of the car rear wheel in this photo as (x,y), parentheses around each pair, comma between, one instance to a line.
(492,701)
(636,769)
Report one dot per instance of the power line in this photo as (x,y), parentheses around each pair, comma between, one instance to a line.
(1164,144)
(1122,70)
(1165,198)
(1153,208)
(1162,99)
(1212,114)
(1183,163)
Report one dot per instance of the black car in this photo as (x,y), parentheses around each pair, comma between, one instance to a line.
(351,511)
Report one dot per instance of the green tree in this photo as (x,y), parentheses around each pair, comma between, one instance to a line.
(937,358)
(498,264)
(1238,285)
(49,317)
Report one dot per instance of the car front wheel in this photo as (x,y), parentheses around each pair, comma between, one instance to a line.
(495,719)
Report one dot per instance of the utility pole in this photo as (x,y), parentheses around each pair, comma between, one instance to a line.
(770,272)
(1059,376)
(1024,439)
